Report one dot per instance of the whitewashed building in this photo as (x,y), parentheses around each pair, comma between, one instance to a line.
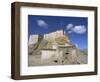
(33,39)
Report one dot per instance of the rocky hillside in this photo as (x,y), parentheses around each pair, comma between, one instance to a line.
(67,52)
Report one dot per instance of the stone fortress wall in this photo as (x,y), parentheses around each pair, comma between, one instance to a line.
(54,35)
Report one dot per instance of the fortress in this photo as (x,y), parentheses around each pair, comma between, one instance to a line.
(52,49)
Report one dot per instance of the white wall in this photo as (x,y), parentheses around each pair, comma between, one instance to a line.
(5,36)
(33,39)
(47,54)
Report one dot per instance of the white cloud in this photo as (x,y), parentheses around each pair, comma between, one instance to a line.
(42,23)
(69,26)
(80,29)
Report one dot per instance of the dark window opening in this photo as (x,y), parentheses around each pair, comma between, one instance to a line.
(55,61)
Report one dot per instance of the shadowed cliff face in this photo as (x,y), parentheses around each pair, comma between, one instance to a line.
(54,49)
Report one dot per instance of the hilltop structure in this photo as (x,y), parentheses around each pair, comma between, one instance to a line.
(53,48)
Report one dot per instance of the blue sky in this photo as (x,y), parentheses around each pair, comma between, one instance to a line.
(75,27)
